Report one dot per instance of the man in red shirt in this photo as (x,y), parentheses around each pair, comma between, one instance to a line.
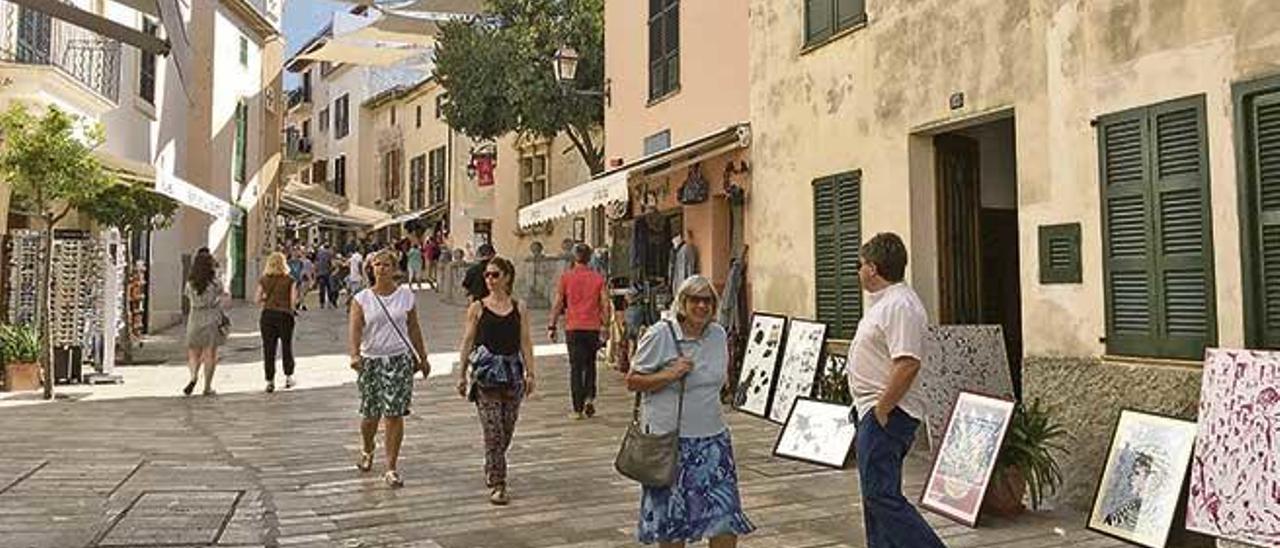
(583,298)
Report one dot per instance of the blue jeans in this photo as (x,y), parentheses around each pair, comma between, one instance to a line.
(890,520)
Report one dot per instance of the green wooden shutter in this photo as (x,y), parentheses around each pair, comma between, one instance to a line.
(818,20)
(242,137)
(1124,142)
(826,262)
(837,236)
(1183,264)
(849,213)
(849,13)
(1264,163)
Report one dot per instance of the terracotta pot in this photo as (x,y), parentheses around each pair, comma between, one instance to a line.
(1004,493)
(22,376)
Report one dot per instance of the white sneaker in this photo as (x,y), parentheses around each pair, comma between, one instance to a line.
(288,382)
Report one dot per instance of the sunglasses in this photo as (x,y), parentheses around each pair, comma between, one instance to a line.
(701,299)
(492,274)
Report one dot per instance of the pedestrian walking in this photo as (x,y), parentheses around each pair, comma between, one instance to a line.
(206,323)
(308,279)
(355,274)
(474,282)
(883,363)
(431,252)
(277,295)
(582,297)
(324,277)
(386,348)
(497,369)
(414,262)
(679,368)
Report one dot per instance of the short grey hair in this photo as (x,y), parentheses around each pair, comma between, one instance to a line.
(696,284)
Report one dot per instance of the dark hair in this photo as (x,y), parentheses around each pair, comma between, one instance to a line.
(889,255)
(507,269)
(486,250)
(201,272)
(581,253)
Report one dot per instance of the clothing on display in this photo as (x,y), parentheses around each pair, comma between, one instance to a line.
(684,263)
(728,315)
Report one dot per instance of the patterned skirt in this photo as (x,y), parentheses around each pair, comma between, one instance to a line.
(702,503)
(386,386)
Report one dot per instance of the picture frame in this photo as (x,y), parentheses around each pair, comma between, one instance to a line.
(760,362)
(961,357)
(1142,479)
(817,432)
(966,458)
(805,348)
(579,229)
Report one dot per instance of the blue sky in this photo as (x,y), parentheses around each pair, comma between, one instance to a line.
(302,20)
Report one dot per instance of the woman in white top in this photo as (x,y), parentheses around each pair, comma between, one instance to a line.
(386,348)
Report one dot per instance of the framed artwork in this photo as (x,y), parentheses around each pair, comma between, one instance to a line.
(961,357)
(801,364)
(817,432)
(579,229)
(967,456)
(1138,493)
(1235,472)
(760,364)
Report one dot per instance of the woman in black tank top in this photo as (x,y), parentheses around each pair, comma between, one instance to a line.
(495,323)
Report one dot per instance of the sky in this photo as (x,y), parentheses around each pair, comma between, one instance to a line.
(302,20)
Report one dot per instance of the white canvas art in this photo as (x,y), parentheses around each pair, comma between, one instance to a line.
(818,432)
(961,357)
(800,366)
(759,363)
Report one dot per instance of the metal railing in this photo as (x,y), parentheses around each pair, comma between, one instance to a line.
(34,38)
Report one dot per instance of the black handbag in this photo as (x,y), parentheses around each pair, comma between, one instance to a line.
(695,189)
(651,459)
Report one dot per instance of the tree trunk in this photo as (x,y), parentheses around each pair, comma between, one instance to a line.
(44,296)
(127,308)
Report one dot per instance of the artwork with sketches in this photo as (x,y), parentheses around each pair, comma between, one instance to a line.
(967,456)
(1142,478)
(1235,471)
(800,366)
(818,432)
(961,357)
(760,363)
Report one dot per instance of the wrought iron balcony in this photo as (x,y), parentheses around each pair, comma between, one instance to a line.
(31,37)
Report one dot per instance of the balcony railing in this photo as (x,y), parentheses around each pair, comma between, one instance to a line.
(34,38)
(297,148)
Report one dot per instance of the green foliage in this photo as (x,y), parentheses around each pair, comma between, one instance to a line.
(131,208)
(1030,444)
(19,343)
(48,161)
(833,386)
(498,72)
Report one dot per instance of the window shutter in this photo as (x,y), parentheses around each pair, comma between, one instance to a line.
(1264,147)
(837,236)
(849,212)
(849,13)
(1124,141)
(1183,266)
(817,20)
(826,262)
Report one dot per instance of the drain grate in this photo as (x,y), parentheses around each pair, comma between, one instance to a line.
(173,518)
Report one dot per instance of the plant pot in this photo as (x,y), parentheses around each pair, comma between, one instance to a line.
(1004,493)
(22,376)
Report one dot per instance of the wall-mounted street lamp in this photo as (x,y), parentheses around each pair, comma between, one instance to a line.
(565,64)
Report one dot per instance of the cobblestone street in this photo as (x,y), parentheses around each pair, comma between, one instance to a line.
(139,465)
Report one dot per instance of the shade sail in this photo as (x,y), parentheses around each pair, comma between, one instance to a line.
(359,52)
(318,202)
(396,29)
(410,216)
(609,188)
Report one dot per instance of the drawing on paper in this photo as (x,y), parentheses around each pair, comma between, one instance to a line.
(817,432)
(759,364)
(967,456)
(961,357)
(800,366)
(1142,479)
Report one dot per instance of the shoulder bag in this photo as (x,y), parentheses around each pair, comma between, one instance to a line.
(648,458)
(417,359)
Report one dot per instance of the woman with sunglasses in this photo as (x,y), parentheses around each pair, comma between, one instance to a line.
(690,350)
(497,369)
(386,348)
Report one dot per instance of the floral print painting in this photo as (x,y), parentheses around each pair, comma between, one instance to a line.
(760,363)
(800,366)
(967,457)
(961,357)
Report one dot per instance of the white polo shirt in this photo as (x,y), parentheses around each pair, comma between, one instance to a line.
(894,325)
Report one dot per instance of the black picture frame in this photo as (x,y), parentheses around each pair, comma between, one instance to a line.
(739,397)
(782,362)
(848,450)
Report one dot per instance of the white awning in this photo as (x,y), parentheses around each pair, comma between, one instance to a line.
(607,189)
(360,52)
(320,203)
(410,216)
(186,193)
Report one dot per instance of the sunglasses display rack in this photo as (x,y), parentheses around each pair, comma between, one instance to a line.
(24,262)
(78,276)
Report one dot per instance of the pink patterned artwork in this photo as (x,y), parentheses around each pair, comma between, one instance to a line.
(1235,473)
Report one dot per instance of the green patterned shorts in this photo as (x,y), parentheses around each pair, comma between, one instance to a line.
(386,386)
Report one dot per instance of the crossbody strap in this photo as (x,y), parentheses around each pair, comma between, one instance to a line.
(403,339)
(635,411)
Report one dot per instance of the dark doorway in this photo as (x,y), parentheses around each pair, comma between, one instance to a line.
(978,262)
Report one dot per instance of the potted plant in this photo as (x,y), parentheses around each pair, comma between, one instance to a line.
(20,348)
(1027,462)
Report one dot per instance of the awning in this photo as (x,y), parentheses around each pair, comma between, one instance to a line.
(360,53)
(611,187)
(124,168)
(410,216)
(188,194)
(318,202)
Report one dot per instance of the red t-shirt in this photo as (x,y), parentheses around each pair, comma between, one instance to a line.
(581,288)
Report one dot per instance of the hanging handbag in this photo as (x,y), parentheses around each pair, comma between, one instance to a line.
(417,360)
(695,189)
(651,459)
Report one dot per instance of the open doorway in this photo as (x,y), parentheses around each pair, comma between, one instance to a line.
(977,205)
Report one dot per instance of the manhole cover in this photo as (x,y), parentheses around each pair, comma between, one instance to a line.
(173,518)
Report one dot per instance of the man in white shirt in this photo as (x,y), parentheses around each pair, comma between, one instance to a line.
(355,274)
(884,360)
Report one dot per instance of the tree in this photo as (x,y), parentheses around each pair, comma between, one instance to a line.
(49,165)
(497,70)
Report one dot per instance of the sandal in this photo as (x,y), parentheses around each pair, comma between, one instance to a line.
(499,496)
(393,479)
(365,463)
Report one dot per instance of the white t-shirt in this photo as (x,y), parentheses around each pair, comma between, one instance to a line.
(356,264)
(894,326)
(380,339)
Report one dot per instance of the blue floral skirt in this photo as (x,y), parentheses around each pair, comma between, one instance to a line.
(702,503)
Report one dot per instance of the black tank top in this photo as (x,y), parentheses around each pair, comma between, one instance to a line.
(500,334)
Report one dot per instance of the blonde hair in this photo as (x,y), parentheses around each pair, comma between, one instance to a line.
(387,255)
(694,285)
(277,265)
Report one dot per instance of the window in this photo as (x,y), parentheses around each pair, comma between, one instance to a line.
(306,87)
(1157,256)
(306,129)
(1258,113)
(441,101)
(837,236)
(393,115)
(391,176)
(239,164)
(657,142)
(324,121)
(147,66)
(826,18)
(437,175)
(320,174)
(340,175)
(418,182)
(533,178)
(340,121)
(664,47)
(244,51)
(418,116)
